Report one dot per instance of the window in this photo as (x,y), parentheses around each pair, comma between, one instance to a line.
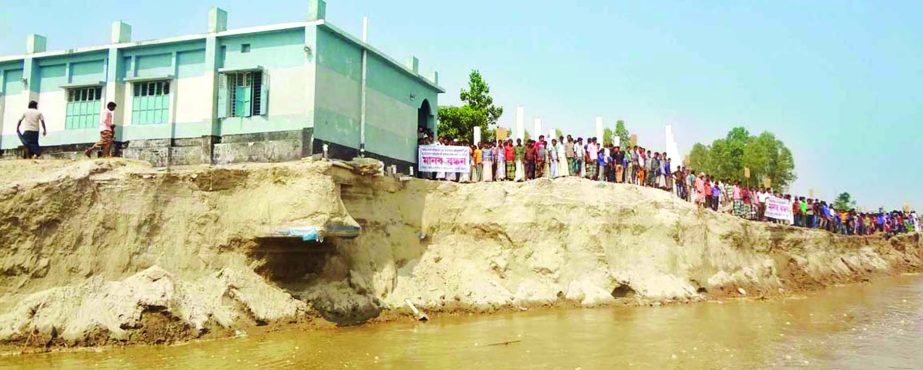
(150,103)
(245,48)
(83,107)
(245,90)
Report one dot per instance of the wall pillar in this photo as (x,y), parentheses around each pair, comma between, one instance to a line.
(317,10)
(217,22)
(30,69)
(115,89)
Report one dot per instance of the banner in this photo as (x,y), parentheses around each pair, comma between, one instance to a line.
(443,158)
(779,209)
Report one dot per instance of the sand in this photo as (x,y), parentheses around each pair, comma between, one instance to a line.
(114,251)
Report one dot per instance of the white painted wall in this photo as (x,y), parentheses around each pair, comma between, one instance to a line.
(191,99)
(286,90)
(53,105)
(13,106)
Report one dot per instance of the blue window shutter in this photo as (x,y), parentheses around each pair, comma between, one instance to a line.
(264,95)
(222,95)
(242,103)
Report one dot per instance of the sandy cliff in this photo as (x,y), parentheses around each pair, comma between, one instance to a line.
(103,252)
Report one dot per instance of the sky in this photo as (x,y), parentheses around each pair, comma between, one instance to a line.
(838,81)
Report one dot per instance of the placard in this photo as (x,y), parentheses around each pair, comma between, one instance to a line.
(779,209)
(444,158)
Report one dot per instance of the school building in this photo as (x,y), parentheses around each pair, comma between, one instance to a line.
(261,94)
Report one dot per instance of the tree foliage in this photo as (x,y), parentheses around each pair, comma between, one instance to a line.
(622,133)
(765,156)
(844,201)
(477,96)
(479,111)
(459,122)
(608,134)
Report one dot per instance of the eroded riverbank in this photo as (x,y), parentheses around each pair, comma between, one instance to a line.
(115,252)
(869,325)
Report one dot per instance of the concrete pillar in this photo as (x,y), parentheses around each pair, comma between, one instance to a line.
(364,98)
(599,129)
(520,122)
(36,43)
(538,129)
(121,32)
(31,71)
(414,65)
(436,77)
(114,90)
(217,20)
(317,10)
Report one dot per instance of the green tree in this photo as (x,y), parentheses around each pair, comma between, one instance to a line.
(765,155)
(607,136)
(844,201)
(477,96)
(459,122)
(478,111)
(558,134)
(698,157)
(622,133)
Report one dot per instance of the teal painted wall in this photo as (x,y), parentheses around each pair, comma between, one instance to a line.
(52,77)
(281,54)
(394,99)
(157,60)
(88,72)
(338,90)
(191,63)
(155,65)
(12,82)
(278,49)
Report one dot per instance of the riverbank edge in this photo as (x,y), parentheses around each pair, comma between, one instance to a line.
(313,322)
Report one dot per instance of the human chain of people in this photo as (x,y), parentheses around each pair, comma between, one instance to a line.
(566,156)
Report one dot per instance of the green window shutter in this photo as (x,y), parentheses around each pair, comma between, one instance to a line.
(93,118)
(242,101)
(222,96)
(264,95)
(164,108)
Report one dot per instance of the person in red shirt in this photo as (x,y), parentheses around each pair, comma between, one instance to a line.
(510,157)
(530,160)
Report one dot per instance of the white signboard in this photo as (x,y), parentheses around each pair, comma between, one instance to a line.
(443,158)
(477,135)
(779,209)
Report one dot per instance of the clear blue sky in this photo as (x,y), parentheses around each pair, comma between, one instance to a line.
(838,81)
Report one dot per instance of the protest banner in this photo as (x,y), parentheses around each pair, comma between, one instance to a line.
(443,158)
(779,209)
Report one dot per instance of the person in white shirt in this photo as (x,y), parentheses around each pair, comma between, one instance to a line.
(761,197)
(29,136)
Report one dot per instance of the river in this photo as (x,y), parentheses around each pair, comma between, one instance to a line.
(875,325)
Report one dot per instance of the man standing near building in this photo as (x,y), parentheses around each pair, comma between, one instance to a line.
(540,153)
(553,158)
(106,132)
(33,118)
(617,159)
(563,165)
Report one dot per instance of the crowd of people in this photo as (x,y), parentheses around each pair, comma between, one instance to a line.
(509,160)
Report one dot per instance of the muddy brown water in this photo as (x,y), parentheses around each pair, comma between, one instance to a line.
(875,325)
